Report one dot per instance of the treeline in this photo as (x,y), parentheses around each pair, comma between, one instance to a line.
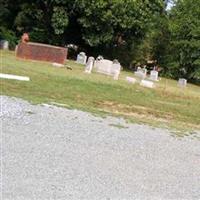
(133,31)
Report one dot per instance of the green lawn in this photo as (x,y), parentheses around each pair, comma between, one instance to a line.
(167,105)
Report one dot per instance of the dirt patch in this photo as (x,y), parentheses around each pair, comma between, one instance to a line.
(140,112)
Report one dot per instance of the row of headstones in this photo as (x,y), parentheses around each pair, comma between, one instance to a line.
(101,65)
(142,73)
(113,68)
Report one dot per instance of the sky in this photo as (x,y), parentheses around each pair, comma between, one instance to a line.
(169,6)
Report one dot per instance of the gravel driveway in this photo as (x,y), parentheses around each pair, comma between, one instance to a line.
(55,153)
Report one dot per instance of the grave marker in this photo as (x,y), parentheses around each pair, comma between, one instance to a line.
(108,67)
(148,84)
(141,73)
(154,75)
(89,65)
(131,79)
(81,58)
(182,82)
(4,44)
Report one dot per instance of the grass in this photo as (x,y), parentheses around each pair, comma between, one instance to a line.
(166,106)
(119,126)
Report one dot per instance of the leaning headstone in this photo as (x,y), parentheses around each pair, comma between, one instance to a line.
(131,80)
(141,73)
(89,65)
(154,75)
(4,44)
(81,58)
(148,84)
(182,82)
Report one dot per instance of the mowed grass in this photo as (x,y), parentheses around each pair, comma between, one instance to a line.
(167,105)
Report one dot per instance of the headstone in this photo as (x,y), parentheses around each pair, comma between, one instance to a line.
(81,58)
(154,75)
(4,44)
(131,79)
(141,73)
(148,84)
(115,69)
(182,82)
(116,75)
(108,67)
(89,65)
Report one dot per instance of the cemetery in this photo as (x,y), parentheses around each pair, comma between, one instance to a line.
(99,85)
(100,99)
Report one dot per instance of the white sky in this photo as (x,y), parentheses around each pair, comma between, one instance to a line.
(169,6)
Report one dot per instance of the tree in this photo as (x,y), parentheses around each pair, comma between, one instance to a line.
(185,39)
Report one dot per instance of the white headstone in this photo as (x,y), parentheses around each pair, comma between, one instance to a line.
(89,65)
(182,82)
(81,58)
(103,66)
(108,67)
(148,84)
(131,79)
(115,69)
(141,73)
(4,44)
(154,75)
(116,75)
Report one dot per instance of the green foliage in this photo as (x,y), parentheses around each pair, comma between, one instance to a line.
(185,40)
(59,20)
(116,21)
(8,35)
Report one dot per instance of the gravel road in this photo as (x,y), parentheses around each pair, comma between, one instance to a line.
(55,153)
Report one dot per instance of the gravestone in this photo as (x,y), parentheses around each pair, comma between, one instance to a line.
(103,66)
(115,69)
(154,75)
(141,73)
(108,67)
(148,84)
(4,44)
(89,65)
(182,82)
(131,79)
(116,74)
(81,58)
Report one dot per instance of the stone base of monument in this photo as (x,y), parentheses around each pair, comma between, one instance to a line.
(41,52)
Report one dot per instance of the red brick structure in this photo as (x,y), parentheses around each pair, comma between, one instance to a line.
(41,52)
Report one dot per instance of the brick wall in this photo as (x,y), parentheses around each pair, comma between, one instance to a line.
(41,52)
